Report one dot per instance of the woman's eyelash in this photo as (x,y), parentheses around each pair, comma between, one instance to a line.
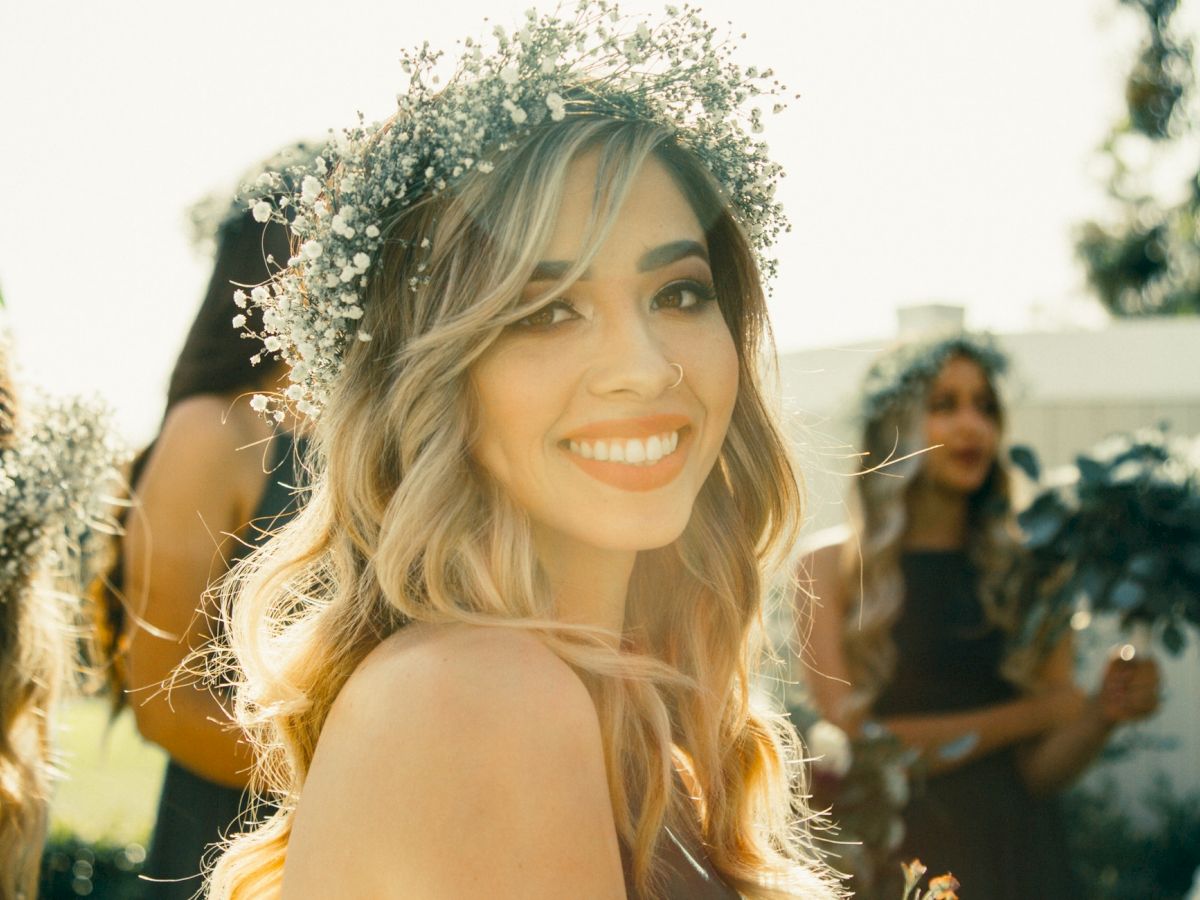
(548,315)
(703,291)
(558,311)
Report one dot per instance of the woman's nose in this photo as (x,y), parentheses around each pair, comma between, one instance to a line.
(631,360)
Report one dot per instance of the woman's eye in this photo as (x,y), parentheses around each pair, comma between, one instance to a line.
(941,404)
(553,313)
(684,295)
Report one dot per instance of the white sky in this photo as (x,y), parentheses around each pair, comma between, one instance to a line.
(941,150)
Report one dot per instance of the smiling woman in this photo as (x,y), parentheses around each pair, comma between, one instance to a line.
(602,373)
(513,632)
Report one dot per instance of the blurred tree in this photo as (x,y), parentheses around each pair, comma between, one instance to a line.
(1147,260)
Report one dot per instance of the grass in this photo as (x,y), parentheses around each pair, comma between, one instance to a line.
(111,777)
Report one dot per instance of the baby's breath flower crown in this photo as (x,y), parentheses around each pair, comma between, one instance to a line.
(903,376)
(675,72)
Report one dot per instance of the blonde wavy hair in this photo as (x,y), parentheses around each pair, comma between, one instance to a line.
(402,526)
(893,439)
(33,667)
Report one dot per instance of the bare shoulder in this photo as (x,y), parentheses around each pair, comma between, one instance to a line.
(460,679)
(828,543)
(211,441)
(448,738)
(820,567)
(203,433)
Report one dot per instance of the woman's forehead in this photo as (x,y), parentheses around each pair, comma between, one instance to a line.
(962,372)
(653,212)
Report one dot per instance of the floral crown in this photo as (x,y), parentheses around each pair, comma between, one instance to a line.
(902,376)
(675,72)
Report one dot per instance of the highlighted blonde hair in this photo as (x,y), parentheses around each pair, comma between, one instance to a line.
(402,526)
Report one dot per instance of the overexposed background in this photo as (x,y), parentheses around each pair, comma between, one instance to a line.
(940,150)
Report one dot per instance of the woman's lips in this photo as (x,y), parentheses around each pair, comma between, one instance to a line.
(632,454)
(970,457)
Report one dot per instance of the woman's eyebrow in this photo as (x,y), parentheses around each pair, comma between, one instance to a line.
(669,253)
(663,255)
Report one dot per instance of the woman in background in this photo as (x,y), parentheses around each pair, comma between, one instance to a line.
(214,483)
(915,608)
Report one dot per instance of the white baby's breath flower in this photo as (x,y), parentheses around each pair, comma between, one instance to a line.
(258,403)
(310,189)
(239,321)
(372,231)
(509,75)
(260,295)
(261,211)
(361,261)
(272,344)
(239,298)
(830,748)
(312,249)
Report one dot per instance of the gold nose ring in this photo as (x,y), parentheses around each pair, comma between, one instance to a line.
(679,380)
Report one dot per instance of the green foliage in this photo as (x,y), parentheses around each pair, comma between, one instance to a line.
(1118,860)
(1125,533)
(1147,262)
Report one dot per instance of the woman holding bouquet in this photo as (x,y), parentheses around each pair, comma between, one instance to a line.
(914,626)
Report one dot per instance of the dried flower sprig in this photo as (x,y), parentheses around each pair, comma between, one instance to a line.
(942,887)
(676,71)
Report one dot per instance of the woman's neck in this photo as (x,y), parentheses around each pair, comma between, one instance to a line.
(937,519)
(590,584)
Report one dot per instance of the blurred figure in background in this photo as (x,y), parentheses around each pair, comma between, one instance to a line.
(917,609)
(57,458)
(215,482)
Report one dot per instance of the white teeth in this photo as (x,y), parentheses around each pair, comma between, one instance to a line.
(631,451)
(654,449)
